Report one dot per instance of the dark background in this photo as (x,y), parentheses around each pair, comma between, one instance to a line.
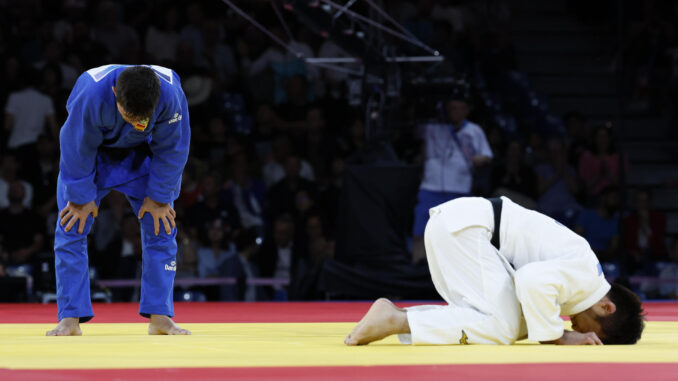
(320,171)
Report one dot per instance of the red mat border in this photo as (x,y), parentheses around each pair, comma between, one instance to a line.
(484,372)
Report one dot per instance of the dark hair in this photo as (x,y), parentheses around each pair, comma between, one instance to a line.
(626,324)
(607,128)
(137,91)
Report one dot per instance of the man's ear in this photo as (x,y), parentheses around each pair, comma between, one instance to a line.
(608,306)
(113,87)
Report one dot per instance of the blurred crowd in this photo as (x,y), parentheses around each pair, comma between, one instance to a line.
(271,136)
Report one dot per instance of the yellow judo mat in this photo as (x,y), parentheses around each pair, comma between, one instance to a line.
(126,345)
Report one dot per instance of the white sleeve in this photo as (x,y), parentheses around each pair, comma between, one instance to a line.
(49,106)
(538,289)
(11,107)
(482,146)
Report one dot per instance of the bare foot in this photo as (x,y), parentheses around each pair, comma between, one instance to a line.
(163,325)
(66,327)
(383,319)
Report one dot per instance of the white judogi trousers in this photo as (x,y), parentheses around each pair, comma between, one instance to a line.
(475,281)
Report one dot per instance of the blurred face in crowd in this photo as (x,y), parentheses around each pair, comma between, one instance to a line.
(603,141)
(216,232)
(281,148)
(610,200)
(16,193)
(642,201)
(171,18)
(457,111)
(194,12)
(107,15)
(297,90)
(514,153)
(303,201)
(216,127)
(9,166)
(292,167)
(314,227)
(283,233)
(239,167)
(315,120)
(209,186)
(556,152)
(130,228)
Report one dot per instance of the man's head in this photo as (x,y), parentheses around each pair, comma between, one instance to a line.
(617,318)
(457,110)
(137,91)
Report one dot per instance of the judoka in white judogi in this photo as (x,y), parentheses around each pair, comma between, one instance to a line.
(541,271)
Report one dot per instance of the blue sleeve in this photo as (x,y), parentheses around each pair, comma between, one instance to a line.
(169,144)
(80,138)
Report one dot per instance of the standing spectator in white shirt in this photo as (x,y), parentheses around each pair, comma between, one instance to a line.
(27,113)
(162,40)
(453,150)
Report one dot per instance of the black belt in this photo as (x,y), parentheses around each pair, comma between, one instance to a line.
(496,208)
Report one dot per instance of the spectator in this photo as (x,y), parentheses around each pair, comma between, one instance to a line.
(110,33)
(599,167)
(243,268)
(108,236)
(43,176)
(577,136)
(211,207)
(21,230)
(84,51)
(280,255)
(670,271)
(128,258)
(162,39)
(282,196)
(246,193)
(308,272)
(187,253)
(53,56)
(218,250)
(600,225)
(191,190)
(219,56)
(10,169)
(453,151)
(645,231)
(557,184)
(274,170)
(27,113)
(192,33)
(319,146)
(513,178)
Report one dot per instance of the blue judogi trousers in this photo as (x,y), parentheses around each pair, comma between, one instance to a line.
(158,259)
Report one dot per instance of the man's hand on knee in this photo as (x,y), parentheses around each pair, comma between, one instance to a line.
(73,213)
(160,212)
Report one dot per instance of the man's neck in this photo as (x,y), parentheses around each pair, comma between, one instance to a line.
(458,126)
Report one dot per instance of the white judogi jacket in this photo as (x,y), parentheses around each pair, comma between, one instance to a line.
(556,272)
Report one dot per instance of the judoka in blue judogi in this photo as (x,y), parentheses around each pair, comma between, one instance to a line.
(127,129)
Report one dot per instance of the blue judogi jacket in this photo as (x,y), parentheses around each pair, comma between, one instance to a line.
(100,150)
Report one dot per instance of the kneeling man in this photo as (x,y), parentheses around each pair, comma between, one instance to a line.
(507,273)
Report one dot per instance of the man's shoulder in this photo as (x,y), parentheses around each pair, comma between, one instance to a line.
(472,128)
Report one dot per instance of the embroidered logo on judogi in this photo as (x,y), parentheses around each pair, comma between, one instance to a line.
(464,338)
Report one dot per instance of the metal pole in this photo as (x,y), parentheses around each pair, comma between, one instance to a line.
(262,28)
(383,28)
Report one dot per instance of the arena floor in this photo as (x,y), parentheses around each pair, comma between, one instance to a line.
(301,341)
